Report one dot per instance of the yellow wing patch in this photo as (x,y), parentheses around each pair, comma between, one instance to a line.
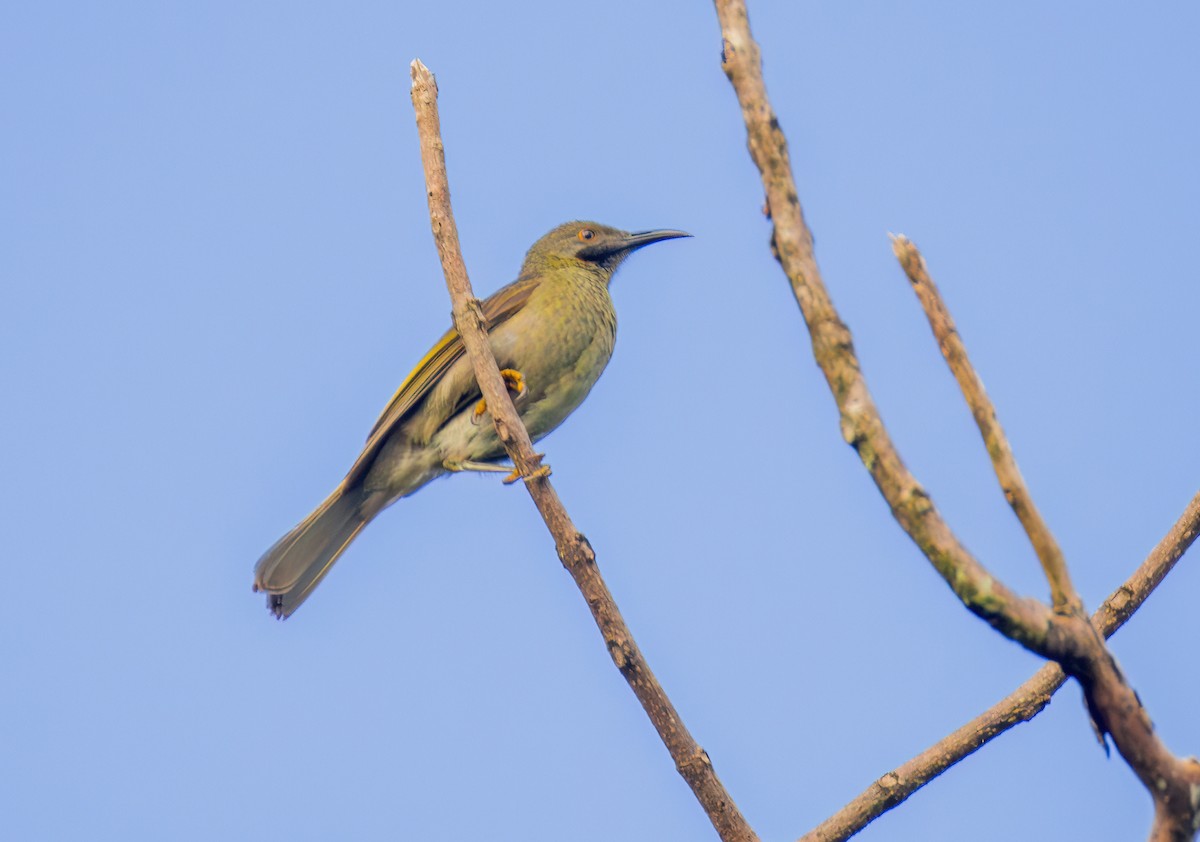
(497,308)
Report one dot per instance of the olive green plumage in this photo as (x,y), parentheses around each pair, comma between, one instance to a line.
(555,325)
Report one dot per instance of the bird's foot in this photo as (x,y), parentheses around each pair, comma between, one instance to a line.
(514,380)
(539,471)
(456,465)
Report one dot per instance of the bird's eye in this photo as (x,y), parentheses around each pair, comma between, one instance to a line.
(586,234)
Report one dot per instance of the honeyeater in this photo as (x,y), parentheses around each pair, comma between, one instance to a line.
(552,331)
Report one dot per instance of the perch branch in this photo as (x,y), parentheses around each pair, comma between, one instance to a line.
(574,551)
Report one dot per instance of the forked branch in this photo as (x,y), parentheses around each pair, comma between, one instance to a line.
(1063,635)
(1114,706)
(1024,703)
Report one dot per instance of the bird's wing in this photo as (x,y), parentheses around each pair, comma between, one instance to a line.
(497,308)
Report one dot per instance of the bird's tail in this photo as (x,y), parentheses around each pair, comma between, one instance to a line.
(297,563)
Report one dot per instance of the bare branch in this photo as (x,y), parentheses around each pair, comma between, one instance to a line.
(1024,703)
(1004,462)
(1113,704)
(1125,600)
(468,314)
(1067,637)
(1022,619)
(573,549)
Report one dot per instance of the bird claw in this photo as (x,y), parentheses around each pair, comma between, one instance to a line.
(514,474)
(538,472)
(514,381)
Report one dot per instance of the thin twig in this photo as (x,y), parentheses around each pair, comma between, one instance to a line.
(1062,592)
(1114,706)
(1066,637)
(573,548)
(1024,703)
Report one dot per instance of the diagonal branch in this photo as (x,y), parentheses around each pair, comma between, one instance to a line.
(1062,592)
(1024,620)
(576,553)
(1066,637)
(1024,703)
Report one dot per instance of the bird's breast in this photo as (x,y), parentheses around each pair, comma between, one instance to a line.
(560,342)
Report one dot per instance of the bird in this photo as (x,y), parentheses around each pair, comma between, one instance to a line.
(552,331)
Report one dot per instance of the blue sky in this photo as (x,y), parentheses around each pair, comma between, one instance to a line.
(217,266)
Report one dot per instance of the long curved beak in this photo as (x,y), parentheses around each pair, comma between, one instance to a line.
(637,239)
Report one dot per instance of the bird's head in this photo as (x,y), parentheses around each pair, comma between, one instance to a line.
(592,244)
